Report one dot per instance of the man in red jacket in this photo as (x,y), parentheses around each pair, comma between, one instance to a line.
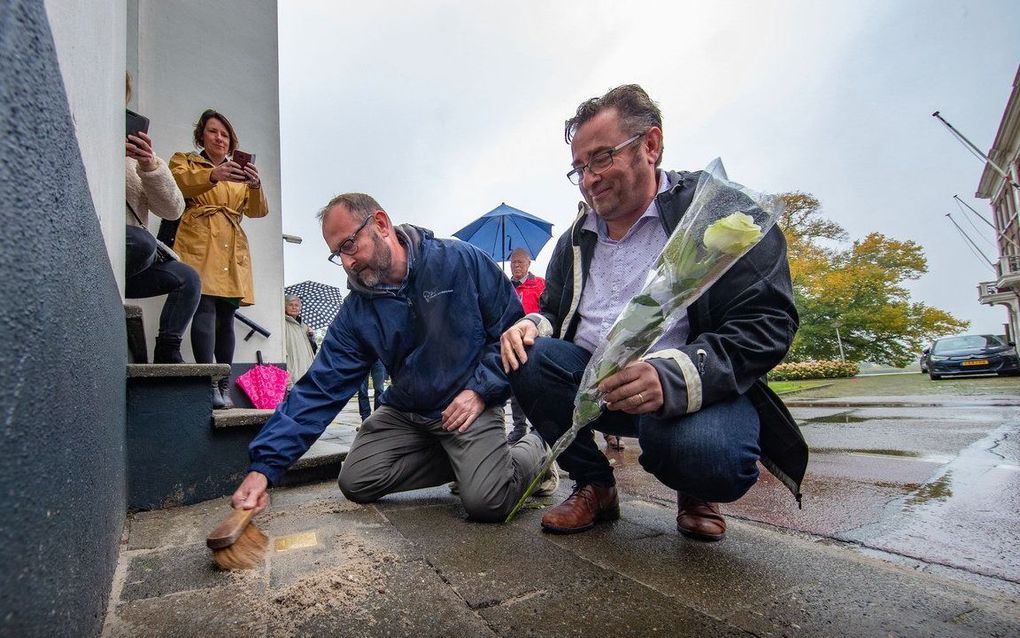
(529,288)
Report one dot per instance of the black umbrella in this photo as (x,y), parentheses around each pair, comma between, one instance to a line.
(319,302)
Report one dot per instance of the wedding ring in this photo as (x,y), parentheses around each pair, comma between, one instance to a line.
(641,398)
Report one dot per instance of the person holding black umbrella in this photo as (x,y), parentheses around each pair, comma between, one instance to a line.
(299,342)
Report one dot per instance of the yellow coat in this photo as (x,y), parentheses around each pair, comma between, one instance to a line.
(210,237)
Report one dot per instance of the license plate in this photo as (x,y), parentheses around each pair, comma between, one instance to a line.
(975,362)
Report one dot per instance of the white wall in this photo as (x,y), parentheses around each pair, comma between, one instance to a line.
(193,55)
(89,36)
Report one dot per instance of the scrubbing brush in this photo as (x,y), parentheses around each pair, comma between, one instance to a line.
(237,543)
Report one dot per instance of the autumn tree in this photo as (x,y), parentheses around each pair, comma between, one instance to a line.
(858,290)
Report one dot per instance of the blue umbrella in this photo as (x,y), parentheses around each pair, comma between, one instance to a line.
(504,229)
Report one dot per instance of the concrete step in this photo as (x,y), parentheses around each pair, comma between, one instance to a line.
(321,462)
(177,370)
(240,417)
(174,455)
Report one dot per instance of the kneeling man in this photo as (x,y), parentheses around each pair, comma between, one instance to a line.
(702,415)
(432,310)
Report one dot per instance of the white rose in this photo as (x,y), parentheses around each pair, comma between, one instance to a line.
(732,234)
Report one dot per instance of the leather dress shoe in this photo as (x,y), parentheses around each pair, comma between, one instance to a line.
(699,520)
(586,506)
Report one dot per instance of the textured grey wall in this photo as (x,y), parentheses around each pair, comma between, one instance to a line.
(62,355)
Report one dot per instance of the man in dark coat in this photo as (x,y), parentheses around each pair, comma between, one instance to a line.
(697,403)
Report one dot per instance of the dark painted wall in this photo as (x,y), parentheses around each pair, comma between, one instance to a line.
(62,355)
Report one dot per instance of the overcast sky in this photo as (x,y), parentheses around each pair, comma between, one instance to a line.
(443,110)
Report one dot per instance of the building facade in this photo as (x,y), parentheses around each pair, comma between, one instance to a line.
(62,323)
(1003,194)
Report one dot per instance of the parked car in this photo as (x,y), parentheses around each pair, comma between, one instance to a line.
(923,360)
(971,354)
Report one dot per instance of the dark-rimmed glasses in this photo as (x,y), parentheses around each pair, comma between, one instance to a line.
(348,246)
(601,161)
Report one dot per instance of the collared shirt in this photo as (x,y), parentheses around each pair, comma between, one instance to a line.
(619,269)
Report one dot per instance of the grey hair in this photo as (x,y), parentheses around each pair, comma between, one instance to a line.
(637,111)
(360,205)
(523,251)
(290,298)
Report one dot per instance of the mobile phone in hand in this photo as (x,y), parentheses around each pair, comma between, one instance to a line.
(136,123)
(242,159)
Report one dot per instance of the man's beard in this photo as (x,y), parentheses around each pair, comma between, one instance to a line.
(372,275)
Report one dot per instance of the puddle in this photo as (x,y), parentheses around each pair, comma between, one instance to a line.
(839,417)
(870,451)
(849,416)
(937,490)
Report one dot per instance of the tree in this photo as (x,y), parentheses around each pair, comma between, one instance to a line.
(857,290)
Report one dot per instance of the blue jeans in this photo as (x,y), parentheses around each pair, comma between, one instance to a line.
(378,374)
(147,276)
(711,454)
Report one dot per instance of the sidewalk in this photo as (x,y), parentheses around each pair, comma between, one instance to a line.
(412,565)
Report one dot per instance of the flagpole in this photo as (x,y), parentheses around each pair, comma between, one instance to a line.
(991,264)
(960,136)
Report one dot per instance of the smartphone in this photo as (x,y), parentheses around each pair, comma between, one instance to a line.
(136,123)
(242,159)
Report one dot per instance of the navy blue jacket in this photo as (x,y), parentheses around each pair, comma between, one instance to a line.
(438,334)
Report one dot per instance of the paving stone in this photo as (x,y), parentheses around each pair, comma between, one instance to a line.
(224,613)
(489,564)
(876,606)
(606,604)
(322,492)
(167,571)
(407,599)
(428,497)
(176,526)
(345,543)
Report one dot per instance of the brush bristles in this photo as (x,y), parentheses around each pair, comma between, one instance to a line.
(246,552)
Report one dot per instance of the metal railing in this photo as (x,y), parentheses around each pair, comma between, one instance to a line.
(987,289)
(251,324)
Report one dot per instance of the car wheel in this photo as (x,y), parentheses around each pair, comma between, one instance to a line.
(934,377)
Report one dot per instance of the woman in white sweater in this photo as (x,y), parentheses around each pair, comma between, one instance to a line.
(151,187)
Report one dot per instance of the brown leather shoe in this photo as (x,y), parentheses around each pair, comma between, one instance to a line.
(699,520)
(582,509)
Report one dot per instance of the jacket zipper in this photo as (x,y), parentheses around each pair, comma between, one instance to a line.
(701,361)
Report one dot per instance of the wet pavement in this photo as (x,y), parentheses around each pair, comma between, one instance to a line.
(909,528)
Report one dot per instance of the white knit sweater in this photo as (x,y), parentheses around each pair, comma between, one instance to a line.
(151,190)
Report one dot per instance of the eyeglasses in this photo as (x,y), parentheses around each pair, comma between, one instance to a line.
(600,162)
(349,246)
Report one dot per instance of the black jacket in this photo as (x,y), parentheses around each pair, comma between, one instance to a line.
(740,329)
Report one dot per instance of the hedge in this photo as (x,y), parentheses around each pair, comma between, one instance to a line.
(813,370)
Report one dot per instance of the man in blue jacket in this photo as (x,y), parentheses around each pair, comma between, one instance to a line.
(432,310)
(697,402)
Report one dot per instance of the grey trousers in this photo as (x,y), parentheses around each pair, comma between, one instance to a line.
(398,451)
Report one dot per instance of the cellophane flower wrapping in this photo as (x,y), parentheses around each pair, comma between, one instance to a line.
(723,222)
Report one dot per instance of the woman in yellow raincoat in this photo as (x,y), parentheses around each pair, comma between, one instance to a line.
(218,193)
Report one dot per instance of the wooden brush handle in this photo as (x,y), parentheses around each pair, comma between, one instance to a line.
(227,532)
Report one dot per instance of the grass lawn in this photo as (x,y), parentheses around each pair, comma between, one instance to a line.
(909,384)
(784,387)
